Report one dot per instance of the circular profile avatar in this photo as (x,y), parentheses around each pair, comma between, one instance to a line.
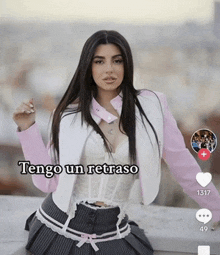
(203,139)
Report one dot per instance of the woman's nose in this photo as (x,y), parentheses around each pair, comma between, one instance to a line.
(109,67)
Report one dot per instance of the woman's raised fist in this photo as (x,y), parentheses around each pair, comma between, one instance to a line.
(24,115)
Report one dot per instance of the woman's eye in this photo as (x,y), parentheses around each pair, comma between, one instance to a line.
(118,61)
(98,61)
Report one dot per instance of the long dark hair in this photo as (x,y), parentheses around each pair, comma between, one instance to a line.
(82,89)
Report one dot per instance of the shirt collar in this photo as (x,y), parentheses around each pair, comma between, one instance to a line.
(98,111)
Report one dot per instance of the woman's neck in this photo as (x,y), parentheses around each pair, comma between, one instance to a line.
(104,98)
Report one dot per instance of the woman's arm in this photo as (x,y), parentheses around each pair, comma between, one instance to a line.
(32,144)
(183,165)
(35,151)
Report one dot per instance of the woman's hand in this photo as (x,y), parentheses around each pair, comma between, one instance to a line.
(24,115)
(215,225)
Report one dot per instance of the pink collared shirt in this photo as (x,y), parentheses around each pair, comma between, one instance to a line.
(180,161)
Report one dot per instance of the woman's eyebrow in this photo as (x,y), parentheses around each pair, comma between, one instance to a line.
(98,57)
(118,55)
(115,56)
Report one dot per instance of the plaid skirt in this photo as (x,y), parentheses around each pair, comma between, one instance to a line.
(95,227)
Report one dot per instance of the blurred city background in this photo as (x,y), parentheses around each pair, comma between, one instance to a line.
(176,50)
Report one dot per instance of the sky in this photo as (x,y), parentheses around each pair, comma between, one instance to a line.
(123,11)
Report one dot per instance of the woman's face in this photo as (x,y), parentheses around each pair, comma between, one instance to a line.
(108,68)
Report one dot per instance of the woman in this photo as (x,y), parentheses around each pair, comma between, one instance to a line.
(102,121)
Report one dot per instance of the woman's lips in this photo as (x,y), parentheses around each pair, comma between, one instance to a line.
(110,80)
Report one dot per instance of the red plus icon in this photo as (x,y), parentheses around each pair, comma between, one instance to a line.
(204,154)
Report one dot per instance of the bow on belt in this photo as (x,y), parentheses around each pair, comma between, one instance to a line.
(88,238)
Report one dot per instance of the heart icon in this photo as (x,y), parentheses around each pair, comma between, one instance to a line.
(203,179)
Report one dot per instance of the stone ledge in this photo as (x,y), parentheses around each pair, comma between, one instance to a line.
(171,231)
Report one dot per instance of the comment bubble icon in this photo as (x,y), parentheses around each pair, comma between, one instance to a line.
(204,215)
